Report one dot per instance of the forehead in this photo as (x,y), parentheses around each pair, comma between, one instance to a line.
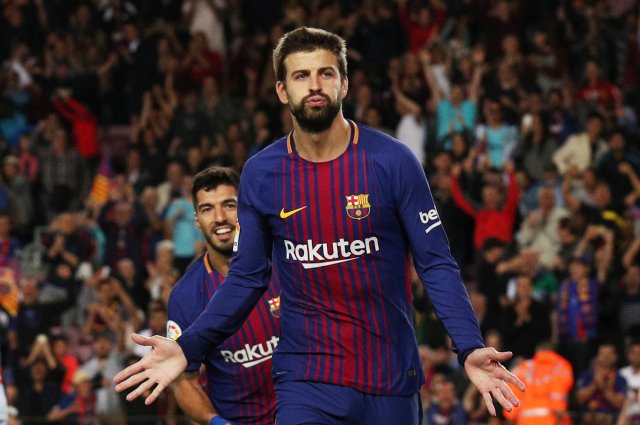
(318,58)
(218,194)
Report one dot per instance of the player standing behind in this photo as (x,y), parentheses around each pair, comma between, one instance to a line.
(336,210)
(239,370)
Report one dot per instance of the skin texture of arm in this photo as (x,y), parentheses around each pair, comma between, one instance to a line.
(192,399)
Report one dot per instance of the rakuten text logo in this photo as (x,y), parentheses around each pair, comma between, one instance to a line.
(431,218)
(251,355)
(323,254)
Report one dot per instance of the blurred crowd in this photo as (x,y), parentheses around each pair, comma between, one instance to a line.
(524,115)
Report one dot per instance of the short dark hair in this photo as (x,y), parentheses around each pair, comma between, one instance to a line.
(212,177)
(305,39)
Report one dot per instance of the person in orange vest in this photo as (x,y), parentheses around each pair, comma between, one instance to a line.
(549,378)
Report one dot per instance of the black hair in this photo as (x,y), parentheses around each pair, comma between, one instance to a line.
(212,177)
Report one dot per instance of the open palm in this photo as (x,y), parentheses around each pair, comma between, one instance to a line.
(159,368)
(491,378)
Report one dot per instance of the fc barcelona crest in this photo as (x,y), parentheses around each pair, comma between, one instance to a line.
(274,307)
(358,206)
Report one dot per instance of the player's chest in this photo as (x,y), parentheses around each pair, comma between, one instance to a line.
(326,200)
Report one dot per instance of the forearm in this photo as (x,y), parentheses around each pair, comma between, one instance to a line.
(192,399)
(223,316)
(585,393)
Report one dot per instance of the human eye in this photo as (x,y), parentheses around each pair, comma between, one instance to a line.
(328,73)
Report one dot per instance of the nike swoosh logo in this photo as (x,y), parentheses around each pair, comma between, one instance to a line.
(285,214)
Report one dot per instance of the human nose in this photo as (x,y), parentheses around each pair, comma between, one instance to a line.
(314,83)
(219,215)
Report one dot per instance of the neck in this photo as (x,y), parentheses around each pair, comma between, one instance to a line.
(218,261)
(323,146)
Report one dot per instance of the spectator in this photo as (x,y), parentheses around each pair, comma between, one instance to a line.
(629,300)
(631,373)
(598,93)
(63,176)
(39,396)
(162,272)
(535,148)
(423,24)
(525,322)
(20,196)
(601,390)
(539,231)
(124,227)
(180,228)
(157,325)
(619,165)
(9,246)
(456,112)
(171,188)
(113,311)
(34,317)
(491,219)
(495,138)
(582,150)
(77,407)
(578,309)
(101,368)
(65,360)
(445,408)
(28,162)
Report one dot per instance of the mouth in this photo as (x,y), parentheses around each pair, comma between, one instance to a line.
(316,100)
(223,232)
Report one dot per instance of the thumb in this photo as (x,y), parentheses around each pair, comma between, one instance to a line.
(501,356)
(142,340)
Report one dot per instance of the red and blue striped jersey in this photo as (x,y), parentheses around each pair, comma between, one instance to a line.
(238,370)
(340,235)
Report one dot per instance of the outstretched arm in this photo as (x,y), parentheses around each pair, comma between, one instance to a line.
(247,280)
(440,276)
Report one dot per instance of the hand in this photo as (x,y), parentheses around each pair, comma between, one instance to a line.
(491,378)
(219,420)
(625,168)
(160,367)
(456,170)
(478,55)
(425,57)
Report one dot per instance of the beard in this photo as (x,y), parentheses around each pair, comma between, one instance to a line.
(224,248)
(316,119)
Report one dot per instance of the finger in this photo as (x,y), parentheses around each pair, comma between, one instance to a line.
(154,394)
(142,340)
(142,388)
(131,381)
(126,373)
(509,395)
(488,401)
(501,356)
(499,397)
(514,380)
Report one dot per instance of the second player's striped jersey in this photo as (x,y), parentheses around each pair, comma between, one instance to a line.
(238,370)
(340,235)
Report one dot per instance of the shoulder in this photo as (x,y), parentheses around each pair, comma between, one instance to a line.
(185,286)
(263,159)
(384,147)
